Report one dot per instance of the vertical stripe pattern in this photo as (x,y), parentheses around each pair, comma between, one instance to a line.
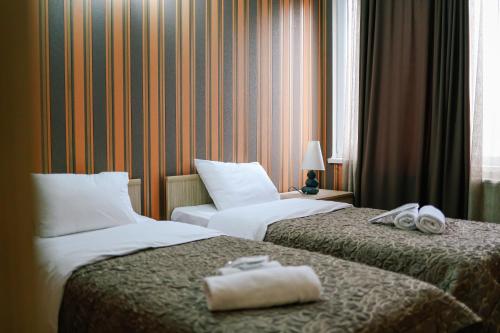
(147,86)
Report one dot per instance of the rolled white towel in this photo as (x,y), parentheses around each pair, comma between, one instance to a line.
(260,288)
(231,270)
(407,219)
(431,220)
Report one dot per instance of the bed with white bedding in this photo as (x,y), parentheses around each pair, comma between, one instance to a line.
(463,261)
(159,287)
(137,275)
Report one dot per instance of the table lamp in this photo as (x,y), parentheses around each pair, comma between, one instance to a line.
(313,160)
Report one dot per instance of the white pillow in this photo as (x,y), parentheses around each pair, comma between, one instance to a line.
(71,203)
(236,184)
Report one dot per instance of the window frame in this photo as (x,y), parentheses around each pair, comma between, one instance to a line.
(339,78)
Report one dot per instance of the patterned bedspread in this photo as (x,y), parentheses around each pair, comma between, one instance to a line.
(464,261)
(160,290)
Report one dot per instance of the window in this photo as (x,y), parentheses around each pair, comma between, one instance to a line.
(339,47)
(491,87)
(345,59)
(484,88)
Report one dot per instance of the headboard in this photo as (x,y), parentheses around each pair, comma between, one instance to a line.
(186,190)
(134,191)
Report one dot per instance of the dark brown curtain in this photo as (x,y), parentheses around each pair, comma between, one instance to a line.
(414,104)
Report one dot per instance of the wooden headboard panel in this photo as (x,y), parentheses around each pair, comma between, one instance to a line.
(134,191)
(186,190)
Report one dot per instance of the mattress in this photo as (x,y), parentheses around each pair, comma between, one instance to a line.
(160,290)
(198,215)
(463,261)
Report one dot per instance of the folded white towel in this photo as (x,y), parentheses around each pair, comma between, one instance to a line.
(248,262)
(390,215)
(431,220)
(407,219)
(261,288)
(231,270)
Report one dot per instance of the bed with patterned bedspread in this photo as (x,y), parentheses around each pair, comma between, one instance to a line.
(463,261)
(160,290)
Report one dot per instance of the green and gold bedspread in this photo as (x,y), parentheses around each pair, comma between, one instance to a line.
(160,290)
(464,261)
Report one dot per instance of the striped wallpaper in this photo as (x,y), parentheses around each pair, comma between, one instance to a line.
(147,86)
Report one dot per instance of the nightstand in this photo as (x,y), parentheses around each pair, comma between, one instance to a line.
(329,195)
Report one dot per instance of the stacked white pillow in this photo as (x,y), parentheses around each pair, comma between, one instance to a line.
(233,185)
(71,203)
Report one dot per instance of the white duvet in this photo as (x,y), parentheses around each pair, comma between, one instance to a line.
(60,256)
(251,221)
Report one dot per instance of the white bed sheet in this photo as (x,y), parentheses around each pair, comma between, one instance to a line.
(58,257)
(198,215)
(142,219)
(251,222)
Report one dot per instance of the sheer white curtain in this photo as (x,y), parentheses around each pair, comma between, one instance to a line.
(350,142)
(484,64)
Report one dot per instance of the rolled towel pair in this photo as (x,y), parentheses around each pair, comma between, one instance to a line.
(260,288)
(431,220)
(390,216)
(428,219)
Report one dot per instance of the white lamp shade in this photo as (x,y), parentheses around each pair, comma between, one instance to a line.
(313,159)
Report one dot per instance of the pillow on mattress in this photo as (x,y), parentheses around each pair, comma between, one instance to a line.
(236,184)
(71,203)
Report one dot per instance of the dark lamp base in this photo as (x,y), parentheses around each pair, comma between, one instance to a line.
(310,190)
(312,184)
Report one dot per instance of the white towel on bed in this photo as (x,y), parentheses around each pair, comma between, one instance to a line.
(388,217)
(226,270)
(260,288)
(431,220)
(407,219)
